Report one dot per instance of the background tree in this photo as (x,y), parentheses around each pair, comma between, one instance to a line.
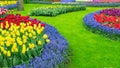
(20,5)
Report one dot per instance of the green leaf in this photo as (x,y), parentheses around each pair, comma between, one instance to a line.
(29,54)
(5,63)
(10,64)
(1,61)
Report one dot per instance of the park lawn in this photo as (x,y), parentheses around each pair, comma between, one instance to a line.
(89,50)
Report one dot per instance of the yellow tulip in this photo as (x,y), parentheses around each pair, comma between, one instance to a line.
(29,29)
(24,40)
(1,26)
(24,49)
(8,53)
(31,46)
(7,25)
(26,34)
(8,43)
(24,37)
(11,24)
(4,52)
(42,28)
(16,49)
(20,43)
(2,38)
(33,32)
(39,42)
(39,25)
(12,50)
(18,39)
(45,36)
(18,33)
(3,32)
(47,40)
(2,49)
(34,26)
(38,31)
(22,30)
(0,29)
(12,40)
(30,35)
(21,24)
(29,22)
(2,43)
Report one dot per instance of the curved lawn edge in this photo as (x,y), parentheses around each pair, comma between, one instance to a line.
(96,27)
(54,53)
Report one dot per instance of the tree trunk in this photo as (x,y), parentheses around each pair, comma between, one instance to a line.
(20,5)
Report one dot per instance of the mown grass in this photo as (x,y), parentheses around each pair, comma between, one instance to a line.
(89,50)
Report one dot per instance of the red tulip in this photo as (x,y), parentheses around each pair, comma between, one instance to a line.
(117,26)
(42,25)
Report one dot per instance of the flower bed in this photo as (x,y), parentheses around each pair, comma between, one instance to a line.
(91,4)
(53,54)
(104,24)
(112,12)
(8,4)
(12,6)
(55,10)
(102,4)
(27,42)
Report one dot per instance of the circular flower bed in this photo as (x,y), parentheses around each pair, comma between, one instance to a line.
(106,22)
(29,43)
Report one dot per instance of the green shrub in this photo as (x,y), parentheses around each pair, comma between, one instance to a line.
(55,10)
(26,1)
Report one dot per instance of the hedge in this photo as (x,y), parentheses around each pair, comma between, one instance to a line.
(55,10)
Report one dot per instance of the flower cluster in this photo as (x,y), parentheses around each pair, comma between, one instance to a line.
(17,19)
(113,12)
(97,27)
(27,39)
(3,11)
(102,4)
(3,3)
(55,10)
(109,17)
(111,21)
(53,54)
(21,42)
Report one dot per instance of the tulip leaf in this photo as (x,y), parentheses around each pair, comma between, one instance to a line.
(5,64)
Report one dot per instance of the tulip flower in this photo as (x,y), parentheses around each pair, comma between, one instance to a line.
(39,42)
(45,36)
(8,53)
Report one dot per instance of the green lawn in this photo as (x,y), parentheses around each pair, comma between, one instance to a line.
(89,50)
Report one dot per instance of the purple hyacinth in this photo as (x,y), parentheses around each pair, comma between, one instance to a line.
(113,12)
